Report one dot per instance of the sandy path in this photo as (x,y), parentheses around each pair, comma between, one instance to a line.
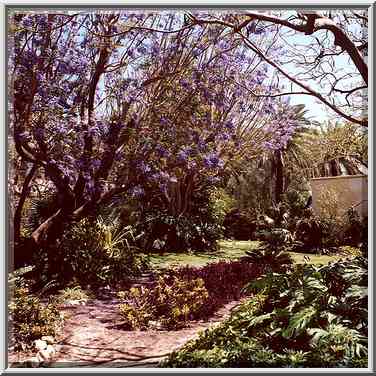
(93,337)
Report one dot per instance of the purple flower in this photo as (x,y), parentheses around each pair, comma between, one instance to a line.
(155,49)
(196,52)
(224,137)
(229,125)
(164,121)
(137,192)
(182,156)
(162,152)
(212,161)
(95,163)
(144,167)
(39,133)
(27,21)
(130,53)
(213,179)
(141,49)
(184,83)
(201,145)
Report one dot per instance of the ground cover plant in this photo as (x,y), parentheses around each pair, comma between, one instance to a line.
(29,318)
(308,317)
(186,293)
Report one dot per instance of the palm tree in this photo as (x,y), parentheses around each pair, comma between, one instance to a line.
(330,150)
(290,152)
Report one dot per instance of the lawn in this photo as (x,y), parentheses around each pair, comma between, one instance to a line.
(228,250)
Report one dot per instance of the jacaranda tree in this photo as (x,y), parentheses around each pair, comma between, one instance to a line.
(117,102)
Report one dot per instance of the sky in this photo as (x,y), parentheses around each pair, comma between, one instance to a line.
(317,110)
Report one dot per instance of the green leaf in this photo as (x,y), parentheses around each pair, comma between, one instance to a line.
(260,319)
(356,291)
(299,321)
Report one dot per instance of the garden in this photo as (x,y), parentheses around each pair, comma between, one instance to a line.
(181,188)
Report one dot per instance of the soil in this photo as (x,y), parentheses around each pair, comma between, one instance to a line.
(93,336)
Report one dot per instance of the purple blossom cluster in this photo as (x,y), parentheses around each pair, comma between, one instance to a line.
(189,138)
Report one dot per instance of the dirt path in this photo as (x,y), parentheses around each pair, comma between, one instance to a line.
(93,337)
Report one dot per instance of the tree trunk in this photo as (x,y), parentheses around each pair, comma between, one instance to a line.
(24,193)
(279,178)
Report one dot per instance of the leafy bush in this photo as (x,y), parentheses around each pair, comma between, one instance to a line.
(186,293)
(364,246)
(307,317)
(295,201)
(272,258)
(277,238)
(91,252)
(239,225)
(326,233)
(170,304)
(221,204)
(29,318)
(72,294)
(318,234)
(272,253)
(180,233)
(223,281)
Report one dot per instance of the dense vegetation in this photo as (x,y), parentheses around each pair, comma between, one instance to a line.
(307,317)
(144,135)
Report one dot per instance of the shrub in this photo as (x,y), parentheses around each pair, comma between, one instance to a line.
(310,316)
(223,280)
(364,246)
(309,232)
(72,294)
(221,204)
(327,232)
(178,234)
(273,259)
(29,318)
(277,238)
(187,293)
(169,304)
(91,252)
(239,225)
(355,231)
(272,253)
(295,201)
(318,234)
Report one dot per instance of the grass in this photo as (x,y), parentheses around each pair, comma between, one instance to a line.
(301,258)
(228,250)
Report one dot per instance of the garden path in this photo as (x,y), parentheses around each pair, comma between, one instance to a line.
(93,337)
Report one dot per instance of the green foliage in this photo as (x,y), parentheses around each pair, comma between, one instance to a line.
(326,233)
(72,294)
(277,238)
(272,253)
(223,280)
(164,232)
(220,203)
(274,259)
(295,201)
(29,318)
(41,208)
(355,231)
(306,317)
(169,304)
(91,252)
(239,224)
